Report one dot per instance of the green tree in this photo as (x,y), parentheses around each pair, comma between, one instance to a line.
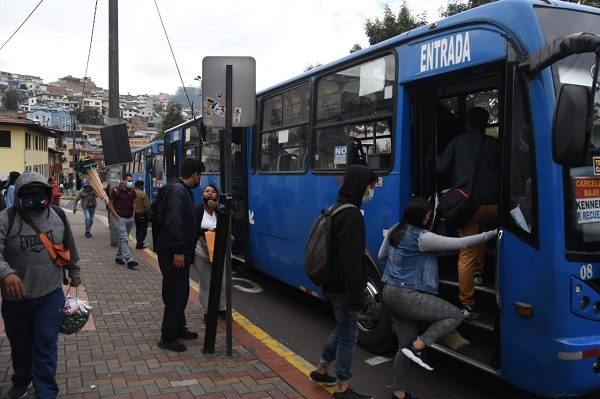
(392,25)
(90,116)
(458,6)
(593,3)
(10,100)
(172,118)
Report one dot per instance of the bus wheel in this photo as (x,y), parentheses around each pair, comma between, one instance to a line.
(375,324)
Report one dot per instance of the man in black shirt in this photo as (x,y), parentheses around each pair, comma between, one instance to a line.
(460,157)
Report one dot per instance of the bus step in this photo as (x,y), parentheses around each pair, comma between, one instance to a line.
(484,322)
(471,354)
(478,288)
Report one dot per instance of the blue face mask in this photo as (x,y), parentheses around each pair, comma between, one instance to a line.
(129,184)
(34,200)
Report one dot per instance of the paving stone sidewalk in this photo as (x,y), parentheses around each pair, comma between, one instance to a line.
(116,355)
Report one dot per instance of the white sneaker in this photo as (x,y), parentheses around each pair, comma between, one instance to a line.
(469,313)
(478,278)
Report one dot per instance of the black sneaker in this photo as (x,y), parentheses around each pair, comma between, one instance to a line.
(187,334)
(131,264)
(418,356)
(140,247)
(350,394)
(88,235)
(222,314)
(323,379)
(19,391)
(119,261)
(174,346)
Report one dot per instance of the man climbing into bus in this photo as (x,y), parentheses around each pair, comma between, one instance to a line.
(175,249)
(346,290)
(459,158)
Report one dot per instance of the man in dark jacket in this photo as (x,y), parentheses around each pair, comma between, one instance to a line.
(460,157)
(346,290)
(175,250)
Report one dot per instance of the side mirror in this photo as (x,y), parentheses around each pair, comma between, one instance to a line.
(570,138)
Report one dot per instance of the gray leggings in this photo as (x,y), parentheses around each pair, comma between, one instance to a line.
(407,307)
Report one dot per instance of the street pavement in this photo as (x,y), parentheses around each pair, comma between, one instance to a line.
(116,354)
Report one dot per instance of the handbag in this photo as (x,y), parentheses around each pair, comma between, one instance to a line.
(209,235)
(59,253)
(459,203)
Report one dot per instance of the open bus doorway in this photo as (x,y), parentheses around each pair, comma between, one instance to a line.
(441,107)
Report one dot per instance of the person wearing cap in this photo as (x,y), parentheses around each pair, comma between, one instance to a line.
(32,295)
(87,196)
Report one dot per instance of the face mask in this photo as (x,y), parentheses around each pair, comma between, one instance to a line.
(369,197)
(196,185)
(34,201)
(129,185)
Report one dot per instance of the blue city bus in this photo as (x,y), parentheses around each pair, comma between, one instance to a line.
(397,104)
(148,165)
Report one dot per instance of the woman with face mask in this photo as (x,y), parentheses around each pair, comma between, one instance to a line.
(206,220)
(411,284)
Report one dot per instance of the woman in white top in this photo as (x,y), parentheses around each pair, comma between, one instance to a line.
(206,219)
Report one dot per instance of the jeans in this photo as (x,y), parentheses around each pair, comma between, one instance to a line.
(175,294)
(341,341)
(123,229)
(32,328)
(89,218)
(407,308)
(471,259)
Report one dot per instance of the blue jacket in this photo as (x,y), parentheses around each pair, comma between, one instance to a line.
(409,267)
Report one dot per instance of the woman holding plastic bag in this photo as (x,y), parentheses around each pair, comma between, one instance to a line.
(206,220)
(32,296)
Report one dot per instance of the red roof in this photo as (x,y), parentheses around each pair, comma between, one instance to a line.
(16,120)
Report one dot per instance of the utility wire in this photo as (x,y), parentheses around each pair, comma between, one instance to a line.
(179,73)
(87,64)
(30,14)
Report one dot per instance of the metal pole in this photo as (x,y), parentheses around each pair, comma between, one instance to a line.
(113,62)
(222,252)
(227,188)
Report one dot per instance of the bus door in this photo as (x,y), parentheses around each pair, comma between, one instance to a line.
(440,106)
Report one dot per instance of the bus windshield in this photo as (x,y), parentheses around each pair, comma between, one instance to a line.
(582,184)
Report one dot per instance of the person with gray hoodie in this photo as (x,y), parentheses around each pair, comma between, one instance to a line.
(32,295)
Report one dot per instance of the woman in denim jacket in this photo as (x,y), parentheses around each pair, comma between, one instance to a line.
(411,284)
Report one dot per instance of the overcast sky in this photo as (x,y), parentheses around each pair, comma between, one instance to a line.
(283,36)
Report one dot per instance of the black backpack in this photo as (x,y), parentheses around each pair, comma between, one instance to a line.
(317,254)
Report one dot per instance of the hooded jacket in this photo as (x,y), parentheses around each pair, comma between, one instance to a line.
(348,238)
(23,253)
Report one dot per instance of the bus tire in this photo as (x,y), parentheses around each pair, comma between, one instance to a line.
(375,332)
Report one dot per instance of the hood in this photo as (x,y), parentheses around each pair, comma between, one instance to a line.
(30,179)
(356,180)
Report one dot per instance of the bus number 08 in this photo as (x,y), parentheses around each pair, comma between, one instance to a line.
(586,272)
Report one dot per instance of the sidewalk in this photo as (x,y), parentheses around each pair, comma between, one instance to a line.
(116,355)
